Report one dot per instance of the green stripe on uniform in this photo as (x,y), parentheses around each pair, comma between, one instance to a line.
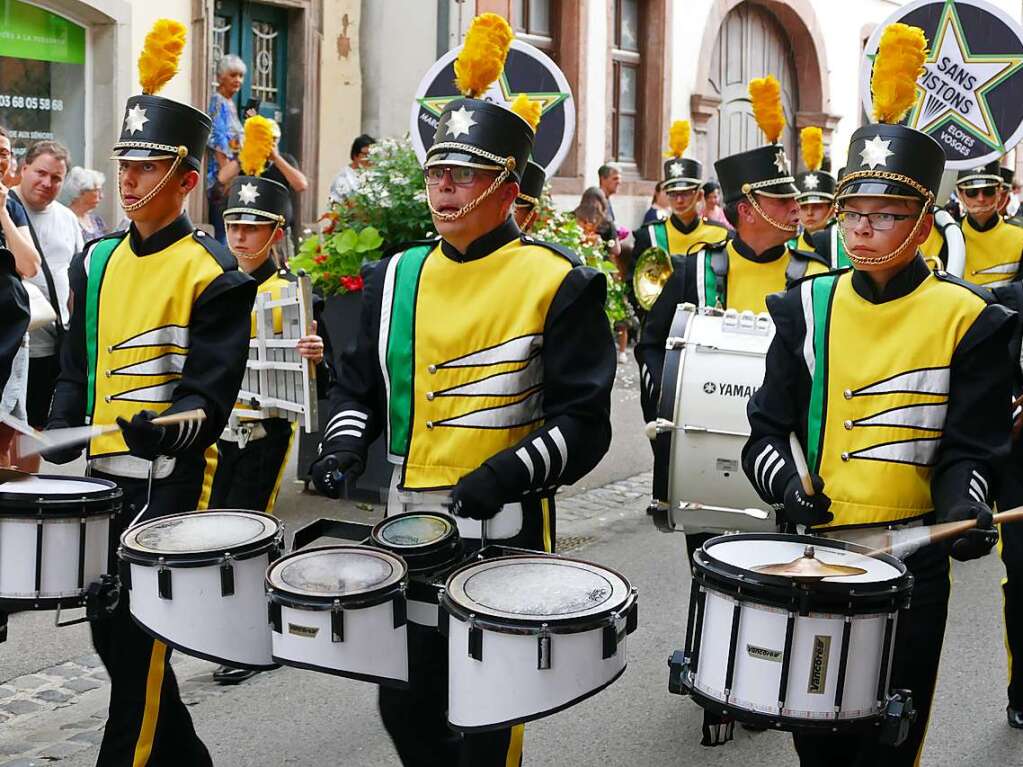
(400,338)
(661,235)
(821,289)
(710,282)
(98,260)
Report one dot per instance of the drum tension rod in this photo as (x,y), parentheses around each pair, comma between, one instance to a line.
(475,640)
(163,580)
(337,622)
(543,649)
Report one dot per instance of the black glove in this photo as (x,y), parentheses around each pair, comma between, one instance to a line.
(142,436)
(477,495)
(978,541)
(61,454)
(330,470)
(803,509)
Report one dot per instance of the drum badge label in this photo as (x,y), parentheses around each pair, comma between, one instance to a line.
(308,632)
(763,653)
(819,664)
(725,389)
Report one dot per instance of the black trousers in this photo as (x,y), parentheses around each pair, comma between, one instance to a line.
(1010,546)
(42,380)
(250,477)
(147,723)
(918,641)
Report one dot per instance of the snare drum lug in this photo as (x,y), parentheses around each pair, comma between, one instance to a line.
(400,610)
(632,619)
(475,640)
(124,571)
(610,638)
(543,649)
(337,622)
(227,577)
(163,581)
(274,616)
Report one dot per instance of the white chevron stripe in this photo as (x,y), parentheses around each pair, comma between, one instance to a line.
(509,384)
(981,480)
(760,462)
(768,464)
(515,350)
(168,335)
(929,417)
(975,488)
(159,393)
(541,448)
(340,428)
(770,480)
(525,411)
(559,442)
(165,364)
(919,452)
(344,433)
(523,455)
(930,381)
(976,495)
(1008,268)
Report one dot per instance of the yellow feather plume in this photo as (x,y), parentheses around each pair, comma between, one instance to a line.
(765,94)
(257,143)
(482,58)
(811,142)
(678,138)
(897,66)
(528,110)
(158,61)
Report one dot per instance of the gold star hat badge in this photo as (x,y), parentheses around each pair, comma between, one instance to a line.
(154,126)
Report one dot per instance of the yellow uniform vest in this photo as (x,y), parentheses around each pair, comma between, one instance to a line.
(931,248)
(138,311)
(875,419)
(667,236)
(992,256)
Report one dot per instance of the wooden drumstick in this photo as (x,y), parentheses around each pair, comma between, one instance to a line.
(946,530)
(80,435)
(800,460)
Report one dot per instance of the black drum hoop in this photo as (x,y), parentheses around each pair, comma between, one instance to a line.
(97,502)
(250,550)
(425,559)
(281,595)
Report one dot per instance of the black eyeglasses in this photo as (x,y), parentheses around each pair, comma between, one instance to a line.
(879,222)
(461,175)
(975,191)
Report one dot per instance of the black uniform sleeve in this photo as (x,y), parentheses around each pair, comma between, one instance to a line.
(68,405)
(976,439)
(14,314)
(358,404)
(774,409)
(679,288)
(218,338)
(579,371)
(822,243)
(1011,297)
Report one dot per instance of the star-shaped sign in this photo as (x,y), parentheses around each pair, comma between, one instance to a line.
(875,152)
(811,181)
(248,193)
(675,169)
(781,162)
(135,119)
(460,122)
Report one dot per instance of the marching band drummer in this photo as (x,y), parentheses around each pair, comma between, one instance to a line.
(530,190)
(160,324)
(994,249)
(913,431)
(816,193)
(487,360)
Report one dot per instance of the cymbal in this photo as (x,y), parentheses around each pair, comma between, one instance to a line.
(10,474)
(808,568)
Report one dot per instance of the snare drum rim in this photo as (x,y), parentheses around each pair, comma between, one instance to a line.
(620,611)
(282,595)
(97,502)
(737,581)
(271,540)
(438,555)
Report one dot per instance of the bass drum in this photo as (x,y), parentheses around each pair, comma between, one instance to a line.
(714,362)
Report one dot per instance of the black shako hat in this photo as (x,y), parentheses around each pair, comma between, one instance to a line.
(892,161)
(481,134)
(681,173)
(1008,175)
(815,186)
(986,175)
(531,186)
(155,127)
(255,200)
(765,169)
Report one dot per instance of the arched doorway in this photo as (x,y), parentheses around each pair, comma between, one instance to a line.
(750,43)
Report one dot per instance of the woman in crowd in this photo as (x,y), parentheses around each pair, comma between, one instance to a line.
(225,138)
(712,210)
(82,192)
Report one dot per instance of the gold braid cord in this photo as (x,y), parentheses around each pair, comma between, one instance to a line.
(182,153)
(767,218)
(470,206)
(876,260)
(883,175)
(269,244)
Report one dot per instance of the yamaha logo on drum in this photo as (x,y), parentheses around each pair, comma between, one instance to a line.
(819,664)
(724,389)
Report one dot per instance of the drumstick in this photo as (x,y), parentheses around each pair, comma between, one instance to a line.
(73,436)
(800,460)
(925,536)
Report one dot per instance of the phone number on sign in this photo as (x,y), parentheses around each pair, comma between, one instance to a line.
(31,102)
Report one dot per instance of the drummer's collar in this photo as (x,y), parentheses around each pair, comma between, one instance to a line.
(485,245)
(991,223)
(902,284)
(771,254)
(174,231)
(682,226)
(264,271)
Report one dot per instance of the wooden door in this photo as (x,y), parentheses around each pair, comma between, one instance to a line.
(751,43)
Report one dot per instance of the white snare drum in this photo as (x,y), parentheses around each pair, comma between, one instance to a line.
(196,582)
(54,539)
(531,635)
(772,651)
(341,610)
(714,362)
(431,547)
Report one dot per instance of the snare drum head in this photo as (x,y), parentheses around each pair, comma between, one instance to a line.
(200,532)
(414,531)
(56,488)
(336,571)
(537,588)
(748,551)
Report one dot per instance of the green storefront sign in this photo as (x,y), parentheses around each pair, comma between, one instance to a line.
(29,32)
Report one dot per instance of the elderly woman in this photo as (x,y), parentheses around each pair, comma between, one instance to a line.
(225,138)
(82,192)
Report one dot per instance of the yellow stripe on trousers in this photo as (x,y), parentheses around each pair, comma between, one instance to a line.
(514,758)
(211,455)
(272,500)
(154,684)
(545,507)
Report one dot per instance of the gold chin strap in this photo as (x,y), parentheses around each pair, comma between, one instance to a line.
(269,244)
(530,218)
(181,155)
(692,207)
(763,214)
(876,260)
(470,206)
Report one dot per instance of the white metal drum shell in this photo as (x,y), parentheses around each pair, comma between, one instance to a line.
(59,575)
(506,687)
(198,620)
(711,426)
(757,674)
(372,650)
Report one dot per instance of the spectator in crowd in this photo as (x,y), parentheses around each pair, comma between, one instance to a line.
(12,175)
(225,138)
(712,210)
(347,181)
(82,192)
(660,206)
(610,178)
(14,232)
(59,237)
